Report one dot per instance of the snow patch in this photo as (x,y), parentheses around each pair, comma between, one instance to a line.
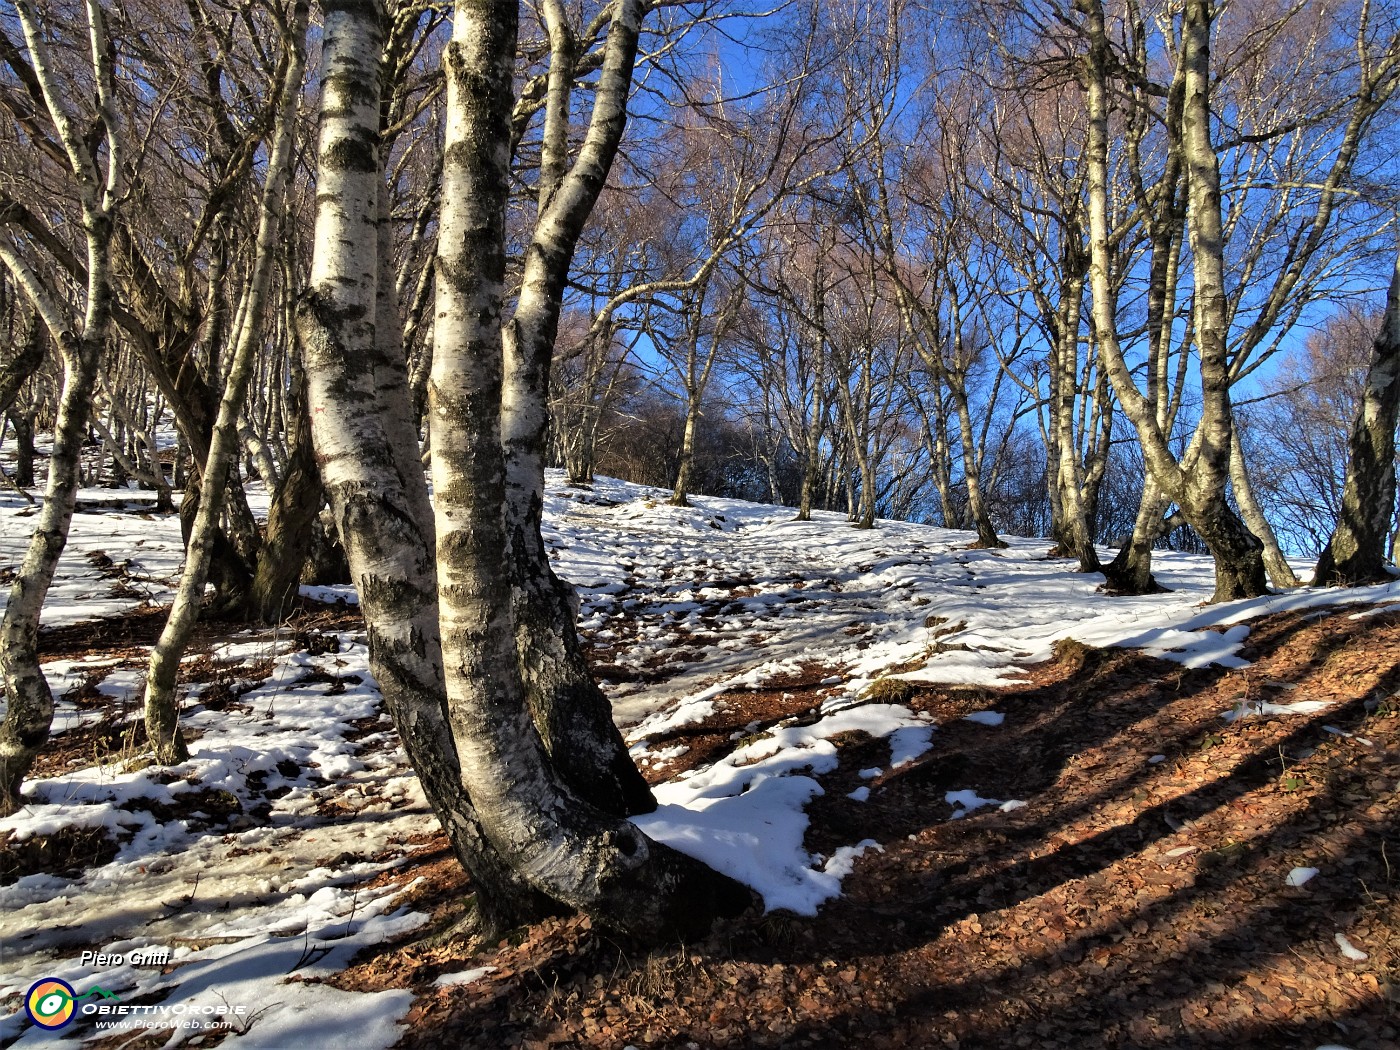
(1263,708)
(985,718)
(1350,950)
(450,980)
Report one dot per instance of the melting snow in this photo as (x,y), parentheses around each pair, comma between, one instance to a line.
(1350,950)
(1254,708)
(693,605)
(986,718)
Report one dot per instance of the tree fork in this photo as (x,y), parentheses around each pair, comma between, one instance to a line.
(387,541)
(572,715)
(564,701)
(561,845)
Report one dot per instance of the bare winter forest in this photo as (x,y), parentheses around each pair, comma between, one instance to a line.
(1067,333)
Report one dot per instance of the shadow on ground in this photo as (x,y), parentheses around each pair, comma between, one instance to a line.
(1130,903)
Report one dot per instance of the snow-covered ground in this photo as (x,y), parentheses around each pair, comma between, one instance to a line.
(281,848)
(144,548)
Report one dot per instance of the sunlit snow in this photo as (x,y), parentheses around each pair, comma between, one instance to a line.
(689,607)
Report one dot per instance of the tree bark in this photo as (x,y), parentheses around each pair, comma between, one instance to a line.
(694,385)
(681,490)
(378,509)
(592,758)
(576,854)
(1238,553)
(24,448)
(1355,552)
(815,423)
(1281,574)
(976,507)
(1130,572)
(291,518)
(1197,482)
(162,708)
(1075,536)
(29,714)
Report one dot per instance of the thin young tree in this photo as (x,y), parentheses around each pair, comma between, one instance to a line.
(97,182)
(162,709)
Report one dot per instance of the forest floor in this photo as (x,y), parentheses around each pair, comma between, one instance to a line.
(968,827)
(1129,903)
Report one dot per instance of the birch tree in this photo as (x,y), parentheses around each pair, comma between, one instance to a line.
(378,496)
(692,351)
(1037,224)
(1356,551)
(448,656)
(162,724)
(80,338)
(1252,270)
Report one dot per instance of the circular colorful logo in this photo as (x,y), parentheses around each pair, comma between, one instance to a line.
(50,1003)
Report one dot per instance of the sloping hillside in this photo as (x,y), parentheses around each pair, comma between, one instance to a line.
(984,806)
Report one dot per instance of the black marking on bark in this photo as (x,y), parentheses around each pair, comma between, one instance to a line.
(358,9)
(356,151)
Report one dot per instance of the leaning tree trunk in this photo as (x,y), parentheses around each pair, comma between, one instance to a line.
(570,711)
(29,713)
(24,364)
(377,507)
(1355,553)
(1281,574)
(597,863)
(1238,553)
(162,708)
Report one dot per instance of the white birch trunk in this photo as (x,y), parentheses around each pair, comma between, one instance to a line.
(162,709)
(1075,535)
(29,712)
(570,711)
(1281,574)
(1196,482)
(377,507)
(1238,553)
(577,855)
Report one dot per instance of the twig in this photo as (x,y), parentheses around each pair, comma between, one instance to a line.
(15,485)
(184,902)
